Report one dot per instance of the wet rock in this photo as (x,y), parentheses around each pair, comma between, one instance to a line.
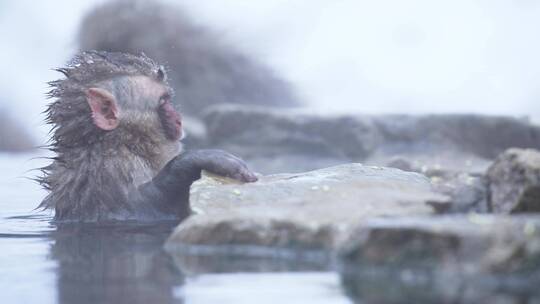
(464,188)
(204,69)
(444,164)
(514,181)
(454,244)
(424,143)
(13,136)
(311,210)
(465,192)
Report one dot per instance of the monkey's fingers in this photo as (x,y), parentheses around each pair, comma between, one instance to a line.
(225,164)
(248,176)
(240,172)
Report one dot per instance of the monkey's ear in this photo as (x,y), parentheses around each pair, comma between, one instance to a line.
(104,108)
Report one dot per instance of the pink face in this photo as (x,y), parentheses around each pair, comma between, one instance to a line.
(106,113)
(170,119)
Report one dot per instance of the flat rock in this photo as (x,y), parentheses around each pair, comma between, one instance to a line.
(311,210)
(514,181)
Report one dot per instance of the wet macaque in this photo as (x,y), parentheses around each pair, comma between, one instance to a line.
(116,136)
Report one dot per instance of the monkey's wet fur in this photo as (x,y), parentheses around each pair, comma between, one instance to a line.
(116,136)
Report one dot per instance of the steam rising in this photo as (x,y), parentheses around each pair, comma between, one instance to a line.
(413,56)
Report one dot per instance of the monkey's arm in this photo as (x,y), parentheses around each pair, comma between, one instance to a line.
(169,190)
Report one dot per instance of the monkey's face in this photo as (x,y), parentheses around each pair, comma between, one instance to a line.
(169,118)
(140,104)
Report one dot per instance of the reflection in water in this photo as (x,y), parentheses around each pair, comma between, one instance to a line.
(114,264)
(126,263)
(245,259)
(395,286)
(264,288)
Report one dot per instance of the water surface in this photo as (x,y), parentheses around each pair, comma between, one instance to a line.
(42,262)
(73,263)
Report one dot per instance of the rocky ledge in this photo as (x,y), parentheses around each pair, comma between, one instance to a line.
(376,217)
(304,210)
(276,141)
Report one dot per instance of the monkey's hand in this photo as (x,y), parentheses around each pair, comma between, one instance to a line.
(169,190)
(215,161)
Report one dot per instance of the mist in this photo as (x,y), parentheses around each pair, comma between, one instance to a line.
(389,56)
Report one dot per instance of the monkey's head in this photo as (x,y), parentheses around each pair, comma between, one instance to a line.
(114,97)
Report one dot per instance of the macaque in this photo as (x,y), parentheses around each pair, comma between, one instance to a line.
(116,136)
(205,68)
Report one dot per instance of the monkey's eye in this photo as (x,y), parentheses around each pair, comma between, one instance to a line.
(164,99)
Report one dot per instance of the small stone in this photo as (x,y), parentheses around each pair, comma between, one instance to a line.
(514,181)
(436,179)
(530,228)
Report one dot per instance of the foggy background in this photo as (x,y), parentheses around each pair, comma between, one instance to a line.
(390,56)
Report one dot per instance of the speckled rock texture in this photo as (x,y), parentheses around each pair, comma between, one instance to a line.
(514,181)
(312,210)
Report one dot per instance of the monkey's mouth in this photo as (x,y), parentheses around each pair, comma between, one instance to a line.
(170,121)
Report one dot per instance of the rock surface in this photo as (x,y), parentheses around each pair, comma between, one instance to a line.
(514,181)
(466,192)
(312,210)
(275,141)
